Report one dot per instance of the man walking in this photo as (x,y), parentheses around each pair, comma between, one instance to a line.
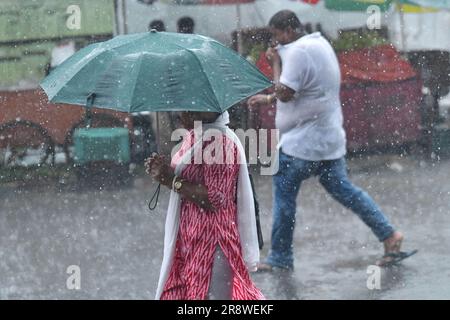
(309,117)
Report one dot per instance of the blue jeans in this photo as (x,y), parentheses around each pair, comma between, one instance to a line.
(333,177)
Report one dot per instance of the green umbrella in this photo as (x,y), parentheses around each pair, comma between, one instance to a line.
(155,71)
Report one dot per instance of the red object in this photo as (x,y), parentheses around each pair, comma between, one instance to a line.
(263,65)
(380,97)
(356,124)
(311,1)
(32,105)
(377,64)
(201,232)
(226,1)
(384,114)
(263,117)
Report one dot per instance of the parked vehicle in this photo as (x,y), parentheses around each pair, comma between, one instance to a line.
(35,36)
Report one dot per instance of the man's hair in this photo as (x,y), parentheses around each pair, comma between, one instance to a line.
(158,25)
(186,25)
(285,19)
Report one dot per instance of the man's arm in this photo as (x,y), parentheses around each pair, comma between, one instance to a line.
(282,92)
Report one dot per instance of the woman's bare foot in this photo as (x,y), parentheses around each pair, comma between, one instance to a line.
(265,267)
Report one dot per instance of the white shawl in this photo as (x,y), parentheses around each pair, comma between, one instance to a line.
(245,209)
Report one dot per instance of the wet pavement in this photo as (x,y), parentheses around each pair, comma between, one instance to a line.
(117,242)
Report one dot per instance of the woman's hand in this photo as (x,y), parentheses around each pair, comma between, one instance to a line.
(156,167)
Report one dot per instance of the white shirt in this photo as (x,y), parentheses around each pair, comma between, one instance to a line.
(311,124)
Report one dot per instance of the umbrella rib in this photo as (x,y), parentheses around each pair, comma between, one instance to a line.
(135,81)
(63,84)
(98,45)
(210,93)
(206,76)
(209,82)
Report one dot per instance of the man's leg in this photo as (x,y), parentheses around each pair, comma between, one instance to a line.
(286,185)
(333,176)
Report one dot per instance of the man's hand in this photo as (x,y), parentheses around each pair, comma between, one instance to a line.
(258,100)
(156,167)
(273,57)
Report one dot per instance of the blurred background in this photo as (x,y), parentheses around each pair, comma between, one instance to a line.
(55,209)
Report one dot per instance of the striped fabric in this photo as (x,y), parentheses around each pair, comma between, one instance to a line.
(202,231)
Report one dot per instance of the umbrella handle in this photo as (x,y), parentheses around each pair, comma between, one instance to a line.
(158,134)
(154,199)
(89,104)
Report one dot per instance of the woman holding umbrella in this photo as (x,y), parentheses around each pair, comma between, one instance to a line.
(210,237)
(213,242)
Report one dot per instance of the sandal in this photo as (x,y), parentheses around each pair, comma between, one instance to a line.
(393,258)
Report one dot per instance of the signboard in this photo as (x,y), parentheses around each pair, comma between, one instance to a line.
(31,29)
(356,5)
(27,20)
(437,4)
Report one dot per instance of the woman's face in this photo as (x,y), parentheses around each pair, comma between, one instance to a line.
(187,118)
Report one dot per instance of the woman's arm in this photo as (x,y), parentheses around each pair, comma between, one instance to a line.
(158,169)
(195,192)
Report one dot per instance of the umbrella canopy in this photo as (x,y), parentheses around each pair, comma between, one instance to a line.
(155,72)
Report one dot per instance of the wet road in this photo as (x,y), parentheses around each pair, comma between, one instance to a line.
(117,243)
